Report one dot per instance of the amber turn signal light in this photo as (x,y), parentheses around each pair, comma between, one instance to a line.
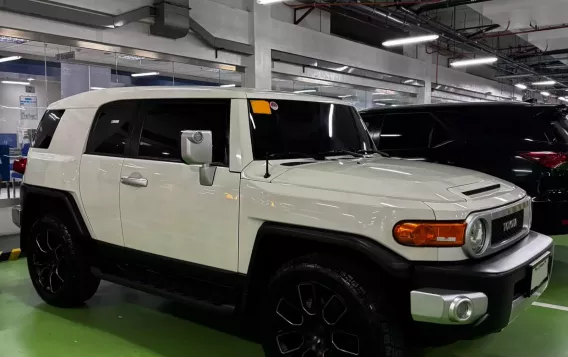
(430,234)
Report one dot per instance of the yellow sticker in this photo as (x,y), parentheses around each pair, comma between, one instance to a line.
(260,107)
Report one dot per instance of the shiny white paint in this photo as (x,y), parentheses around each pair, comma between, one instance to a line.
(99,179)
(175,216)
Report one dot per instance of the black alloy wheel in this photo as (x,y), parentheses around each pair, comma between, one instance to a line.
(316,308)
(57,263)
(315,321)
(48,259)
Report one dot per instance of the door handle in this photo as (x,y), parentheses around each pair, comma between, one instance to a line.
(134,181)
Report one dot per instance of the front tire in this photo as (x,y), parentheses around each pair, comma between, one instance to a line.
(317,307)
(58,268)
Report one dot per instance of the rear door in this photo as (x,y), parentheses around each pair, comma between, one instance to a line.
(101,166)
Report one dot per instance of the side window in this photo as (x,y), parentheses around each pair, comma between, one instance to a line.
(439,135)
(374,124)
(164,120)
(406,131)
(112,128)
(46,128)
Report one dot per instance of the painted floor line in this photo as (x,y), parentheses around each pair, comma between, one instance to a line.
(550,306)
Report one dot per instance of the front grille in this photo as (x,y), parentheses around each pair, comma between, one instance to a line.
(503,228)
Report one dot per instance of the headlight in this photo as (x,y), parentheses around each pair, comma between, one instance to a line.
(476,237)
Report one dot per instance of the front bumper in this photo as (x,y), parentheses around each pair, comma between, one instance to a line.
(16,214)
(499,288)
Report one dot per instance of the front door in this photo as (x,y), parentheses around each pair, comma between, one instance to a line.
(164,208)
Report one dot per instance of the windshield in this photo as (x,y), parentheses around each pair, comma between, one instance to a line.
(305,128)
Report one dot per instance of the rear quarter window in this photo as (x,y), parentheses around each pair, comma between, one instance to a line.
(46,128)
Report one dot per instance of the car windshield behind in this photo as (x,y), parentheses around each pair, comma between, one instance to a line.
(305,129)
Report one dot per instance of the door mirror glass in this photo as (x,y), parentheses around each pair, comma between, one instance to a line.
(197,147)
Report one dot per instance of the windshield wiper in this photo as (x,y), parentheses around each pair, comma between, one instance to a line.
(340,152)
(373,151)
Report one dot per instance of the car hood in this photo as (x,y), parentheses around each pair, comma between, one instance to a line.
(385,177)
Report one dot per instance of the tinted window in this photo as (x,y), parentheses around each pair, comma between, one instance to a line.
(374,123)
(405,131)
(501,123)
(164,120)
(112,128)
(46,128)
(287,126)
(440,135)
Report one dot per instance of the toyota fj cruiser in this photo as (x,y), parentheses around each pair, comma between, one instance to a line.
(279,206)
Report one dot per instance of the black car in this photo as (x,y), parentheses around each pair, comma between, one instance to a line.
(522,143)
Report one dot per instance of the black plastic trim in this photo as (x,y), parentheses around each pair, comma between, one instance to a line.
(64,196)
(391,262)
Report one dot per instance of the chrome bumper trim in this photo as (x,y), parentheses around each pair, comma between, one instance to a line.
(435,306)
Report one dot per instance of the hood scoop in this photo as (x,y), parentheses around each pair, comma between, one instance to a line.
(481,190)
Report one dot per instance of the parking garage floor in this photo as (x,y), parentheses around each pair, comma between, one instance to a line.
(121,322)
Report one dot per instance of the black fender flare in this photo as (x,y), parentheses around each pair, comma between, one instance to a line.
(392,263)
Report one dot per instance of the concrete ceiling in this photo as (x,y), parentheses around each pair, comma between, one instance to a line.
(520,15)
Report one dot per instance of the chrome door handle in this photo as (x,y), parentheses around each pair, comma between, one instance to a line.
(134,181)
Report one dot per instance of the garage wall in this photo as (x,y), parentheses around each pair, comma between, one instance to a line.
(232,22)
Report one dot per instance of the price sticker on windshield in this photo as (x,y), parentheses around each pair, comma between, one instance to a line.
(260,107)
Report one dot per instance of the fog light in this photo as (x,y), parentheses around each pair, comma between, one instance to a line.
(461,309)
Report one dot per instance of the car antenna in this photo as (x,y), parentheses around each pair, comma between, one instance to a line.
(267,174)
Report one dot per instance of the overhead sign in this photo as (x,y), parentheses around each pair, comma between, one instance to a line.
(28,107)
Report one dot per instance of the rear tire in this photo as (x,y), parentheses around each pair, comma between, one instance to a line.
(58,268)
(319,306)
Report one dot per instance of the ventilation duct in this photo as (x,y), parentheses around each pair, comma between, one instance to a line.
(172,19)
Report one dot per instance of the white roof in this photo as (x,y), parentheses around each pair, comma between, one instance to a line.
(96,98)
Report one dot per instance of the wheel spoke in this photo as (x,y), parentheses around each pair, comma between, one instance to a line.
(345,343)
(47,241)
(51,281)
(289,313)
(41,276)
(333,310)
(55,251)
(308,298)
(58,275)
(289,342)
(39,245)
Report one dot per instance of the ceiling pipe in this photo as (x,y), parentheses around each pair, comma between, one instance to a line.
(445,5)
(513,76)
(545,53)
(507,33)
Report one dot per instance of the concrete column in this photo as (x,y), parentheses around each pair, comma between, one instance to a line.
(258,71)
(425,93)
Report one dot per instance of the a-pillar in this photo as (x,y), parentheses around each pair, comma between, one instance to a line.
(258,67)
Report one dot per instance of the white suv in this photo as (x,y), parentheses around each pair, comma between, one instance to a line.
(278,206)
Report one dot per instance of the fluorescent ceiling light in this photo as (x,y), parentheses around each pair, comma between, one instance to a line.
(343,68)
(475,61)
(97,88)
(382,104)
(145,74)
(546,94)
(131,57)
(344,96)
(521,86)
(409,40)
(16,82)
(305,91)
(227,85)
(31,79)
(266,2)
(562,99)
(383,99)
(544,83)
(11,58)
